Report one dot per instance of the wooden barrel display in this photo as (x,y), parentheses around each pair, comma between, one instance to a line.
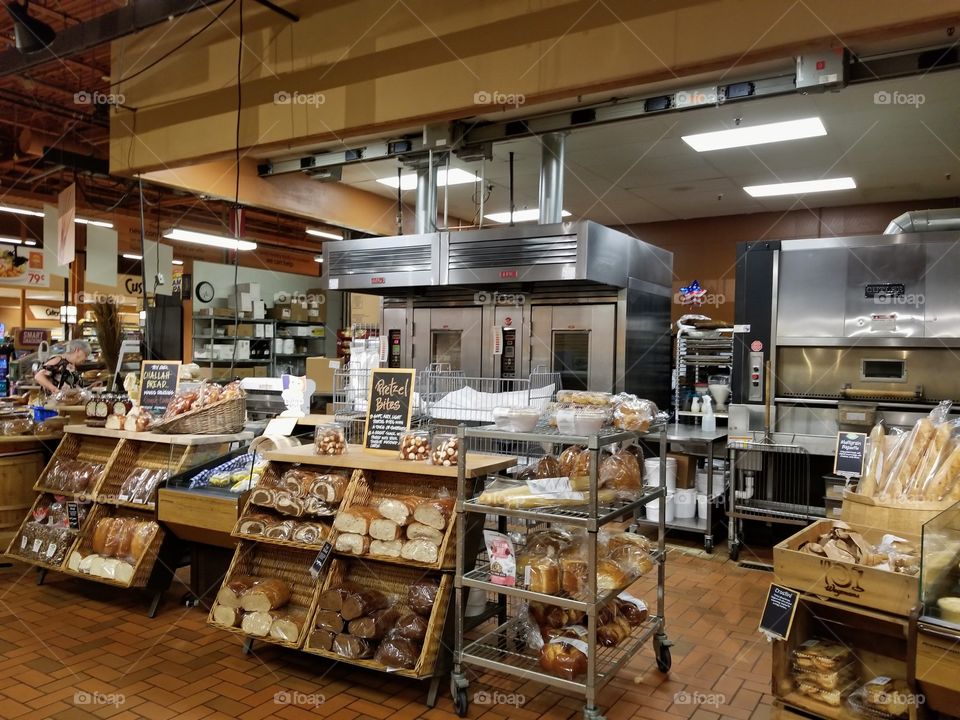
(18,472)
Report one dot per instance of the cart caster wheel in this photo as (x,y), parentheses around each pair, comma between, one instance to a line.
(592,714)
(708,546)
(461,702)
(735,552)
(663,659)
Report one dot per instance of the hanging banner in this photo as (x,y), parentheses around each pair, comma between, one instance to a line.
(66,231)
(101,255)
(22,267)
(51,224)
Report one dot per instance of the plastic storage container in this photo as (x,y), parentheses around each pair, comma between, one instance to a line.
(685,501)
(651,472)
(415,445)
(653,509)
(329,439)
(444,450)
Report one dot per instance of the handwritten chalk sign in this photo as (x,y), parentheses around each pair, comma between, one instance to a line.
(159,380)
(848,460)
(778,612)
(389,406)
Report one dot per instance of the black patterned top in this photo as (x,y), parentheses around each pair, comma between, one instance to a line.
(61,373)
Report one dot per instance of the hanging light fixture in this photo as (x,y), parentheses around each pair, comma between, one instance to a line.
(30,34)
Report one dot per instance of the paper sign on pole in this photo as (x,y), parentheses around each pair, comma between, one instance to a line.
(66,232)
(101,255)
(51,238)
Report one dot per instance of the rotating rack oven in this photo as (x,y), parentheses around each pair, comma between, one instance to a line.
(854,329)
(578,299)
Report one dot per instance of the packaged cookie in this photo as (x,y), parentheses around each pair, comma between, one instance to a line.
(415,445)
(821,656)
(329,439)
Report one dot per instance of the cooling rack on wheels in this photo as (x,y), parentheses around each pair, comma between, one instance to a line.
(770,482)
(503,649)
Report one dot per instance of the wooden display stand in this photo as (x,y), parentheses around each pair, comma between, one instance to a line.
(120,452)
(22,458)
(372,475)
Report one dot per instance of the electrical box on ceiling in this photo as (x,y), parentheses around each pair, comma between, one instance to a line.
(820,71)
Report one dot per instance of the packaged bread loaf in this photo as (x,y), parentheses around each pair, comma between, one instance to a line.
(610,576)
(352,543)
(352,647)
(229,595)
(945,483)
(422,551)
(542,575)
(355,519)
(255,523)
(933,457)
(266,595)
(621,472)
(422,596)
(383,529)
(568,460)
(375,625)
(612,632)
(399,509)
(322,639)
(333,598)
(308,533)
(566,656)
(397,652)
(909,462)
(411,626)
(330,620)
(632,609)
(226,616)
(257,623)
(434,513)
(419,531)
(100,534)
(362,602)
(330,487)
(874,463)
(287,624)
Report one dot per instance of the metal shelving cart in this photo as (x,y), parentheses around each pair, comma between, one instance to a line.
(503,648)
(699,353)
(206,333)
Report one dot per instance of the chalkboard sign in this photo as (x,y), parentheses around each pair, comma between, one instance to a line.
(317,567)
(73,515)
(848,460)
(778,612)
(159,380)
(389,404)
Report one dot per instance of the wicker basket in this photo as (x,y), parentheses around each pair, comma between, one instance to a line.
(395,581)
(287,564)
(369,488)
(14,549)
(81,447)
(144,565)
(223,417)
(256,510)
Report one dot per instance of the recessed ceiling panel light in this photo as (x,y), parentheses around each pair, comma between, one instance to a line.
(801,187)
(20,211)
(518,215)
(756,134)
(409,181)
(131,256)
(201,238)
(324,234)
(98,223)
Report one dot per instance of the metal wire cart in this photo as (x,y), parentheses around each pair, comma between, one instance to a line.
(504,649)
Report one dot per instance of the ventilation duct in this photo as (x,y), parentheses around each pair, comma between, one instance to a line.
(925,221)
(551,178)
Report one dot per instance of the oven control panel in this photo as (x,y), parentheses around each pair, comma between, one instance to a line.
(755,387)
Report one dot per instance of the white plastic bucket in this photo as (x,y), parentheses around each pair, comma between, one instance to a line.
(718,477)
(651,473)
(702,506)
(653,509)
(686,503)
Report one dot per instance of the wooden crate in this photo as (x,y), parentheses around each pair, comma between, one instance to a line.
(288,564)
(81,447)
(16,550)
(391,580)
(887,517)
(367,488)
(843,582)
(938,667)
(144,565)
(878,642)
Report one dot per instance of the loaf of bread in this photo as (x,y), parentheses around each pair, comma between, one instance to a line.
(257,623)
(266,595)
(399,509)
(309,533)
(612,633)
(411,626)
(573,575)
(945,483)
(322,639)
(330,487)
(397,652)
(434,513)
(917,445)
(568,460)
(422,596)
(422,551)
(355,519)
(610,577)
(544,575)
(229,595)
(100,534)
(872,468)
(375,625)
(564,657)
(255,524)
(419,531)
(333,598)
(362,602)
(932,457)
(330,620)
(226,616)
(262,496)
(821,655)
(383,529)
(386,548)
(632,609)
(352,647)
(352,543)
(287,624)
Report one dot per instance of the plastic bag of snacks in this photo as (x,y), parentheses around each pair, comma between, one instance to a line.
(70,397)
(415,445)
(445,450)
(633,413)
(329,439)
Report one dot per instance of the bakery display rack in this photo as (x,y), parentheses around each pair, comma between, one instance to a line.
(119,452)
(503,649)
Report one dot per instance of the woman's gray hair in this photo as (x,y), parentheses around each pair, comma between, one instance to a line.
(75,345)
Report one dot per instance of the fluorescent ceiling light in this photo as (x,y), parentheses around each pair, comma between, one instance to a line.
(518,215)
(201,238)
(131,256)
(29,242)
(801,187)
(318,258)
(98,223)
(409,181)
(20,211)
(324,234)
(756,135)
(178,262)
(11,240)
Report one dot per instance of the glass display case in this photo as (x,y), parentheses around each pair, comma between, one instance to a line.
(940,569)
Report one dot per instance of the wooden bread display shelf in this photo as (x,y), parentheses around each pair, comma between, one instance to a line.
(478,464)
(183,439)
(88,449)
(14,546)
(290,565)
(143,567)
(393,581)
(368,488)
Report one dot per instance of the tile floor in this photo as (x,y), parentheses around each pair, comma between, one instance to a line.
(72,649)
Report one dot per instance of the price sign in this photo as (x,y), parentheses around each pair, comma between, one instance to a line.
(159,380)
(317,567)
(389,405)
(848,460)
(73,515)
(778,612)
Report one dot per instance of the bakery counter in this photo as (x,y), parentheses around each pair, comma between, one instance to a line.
(357,458)
(159,438)
(200,515)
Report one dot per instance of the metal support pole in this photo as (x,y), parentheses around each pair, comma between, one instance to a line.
(551,177)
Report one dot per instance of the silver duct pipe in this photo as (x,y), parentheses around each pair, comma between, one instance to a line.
(425,212)
(925,221)
(551,177)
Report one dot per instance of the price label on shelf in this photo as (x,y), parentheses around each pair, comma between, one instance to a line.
(317,567)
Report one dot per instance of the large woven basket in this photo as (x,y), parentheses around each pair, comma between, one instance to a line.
(223,417)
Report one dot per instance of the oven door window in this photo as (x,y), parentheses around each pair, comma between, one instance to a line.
(571,358)
(446,348)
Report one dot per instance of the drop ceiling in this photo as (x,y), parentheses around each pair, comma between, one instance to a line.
(641,171)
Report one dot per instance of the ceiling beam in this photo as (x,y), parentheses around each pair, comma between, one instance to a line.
(102,29)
